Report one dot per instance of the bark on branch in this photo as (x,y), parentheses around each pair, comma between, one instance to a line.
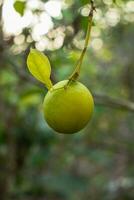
(118,103)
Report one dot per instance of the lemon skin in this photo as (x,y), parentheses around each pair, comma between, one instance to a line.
(68,108)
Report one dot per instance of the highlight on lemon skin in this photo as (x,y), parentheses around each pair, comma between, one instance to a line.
(68,109)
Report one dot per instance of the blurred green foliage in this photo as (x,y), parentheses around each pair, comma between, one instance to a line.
(97,163)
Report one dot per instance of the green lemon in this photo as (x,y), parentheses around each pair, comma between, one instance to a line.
(68,108)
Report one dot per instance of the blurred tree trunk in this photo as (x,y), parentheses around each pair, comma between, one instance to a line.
(3,162)
(7,158)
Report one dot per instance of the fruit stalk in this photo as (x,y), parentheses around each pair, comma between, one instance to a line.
(76,72)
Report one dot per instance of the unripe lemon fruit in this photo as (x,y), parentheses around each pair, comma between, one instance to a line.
(68,108)
(68,105)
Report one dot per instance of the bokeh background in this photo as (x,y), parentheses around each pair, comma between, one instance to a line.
(98,162)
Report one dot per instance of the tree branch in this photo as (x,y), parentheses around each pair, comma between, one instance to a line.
(100,99)
(117,103)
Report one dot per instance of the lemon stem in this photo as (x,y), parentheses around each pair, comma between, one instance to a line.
(76,72)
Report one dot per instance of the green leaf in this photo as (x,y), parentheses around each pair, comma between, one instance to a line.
(39,66)
(20,6)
